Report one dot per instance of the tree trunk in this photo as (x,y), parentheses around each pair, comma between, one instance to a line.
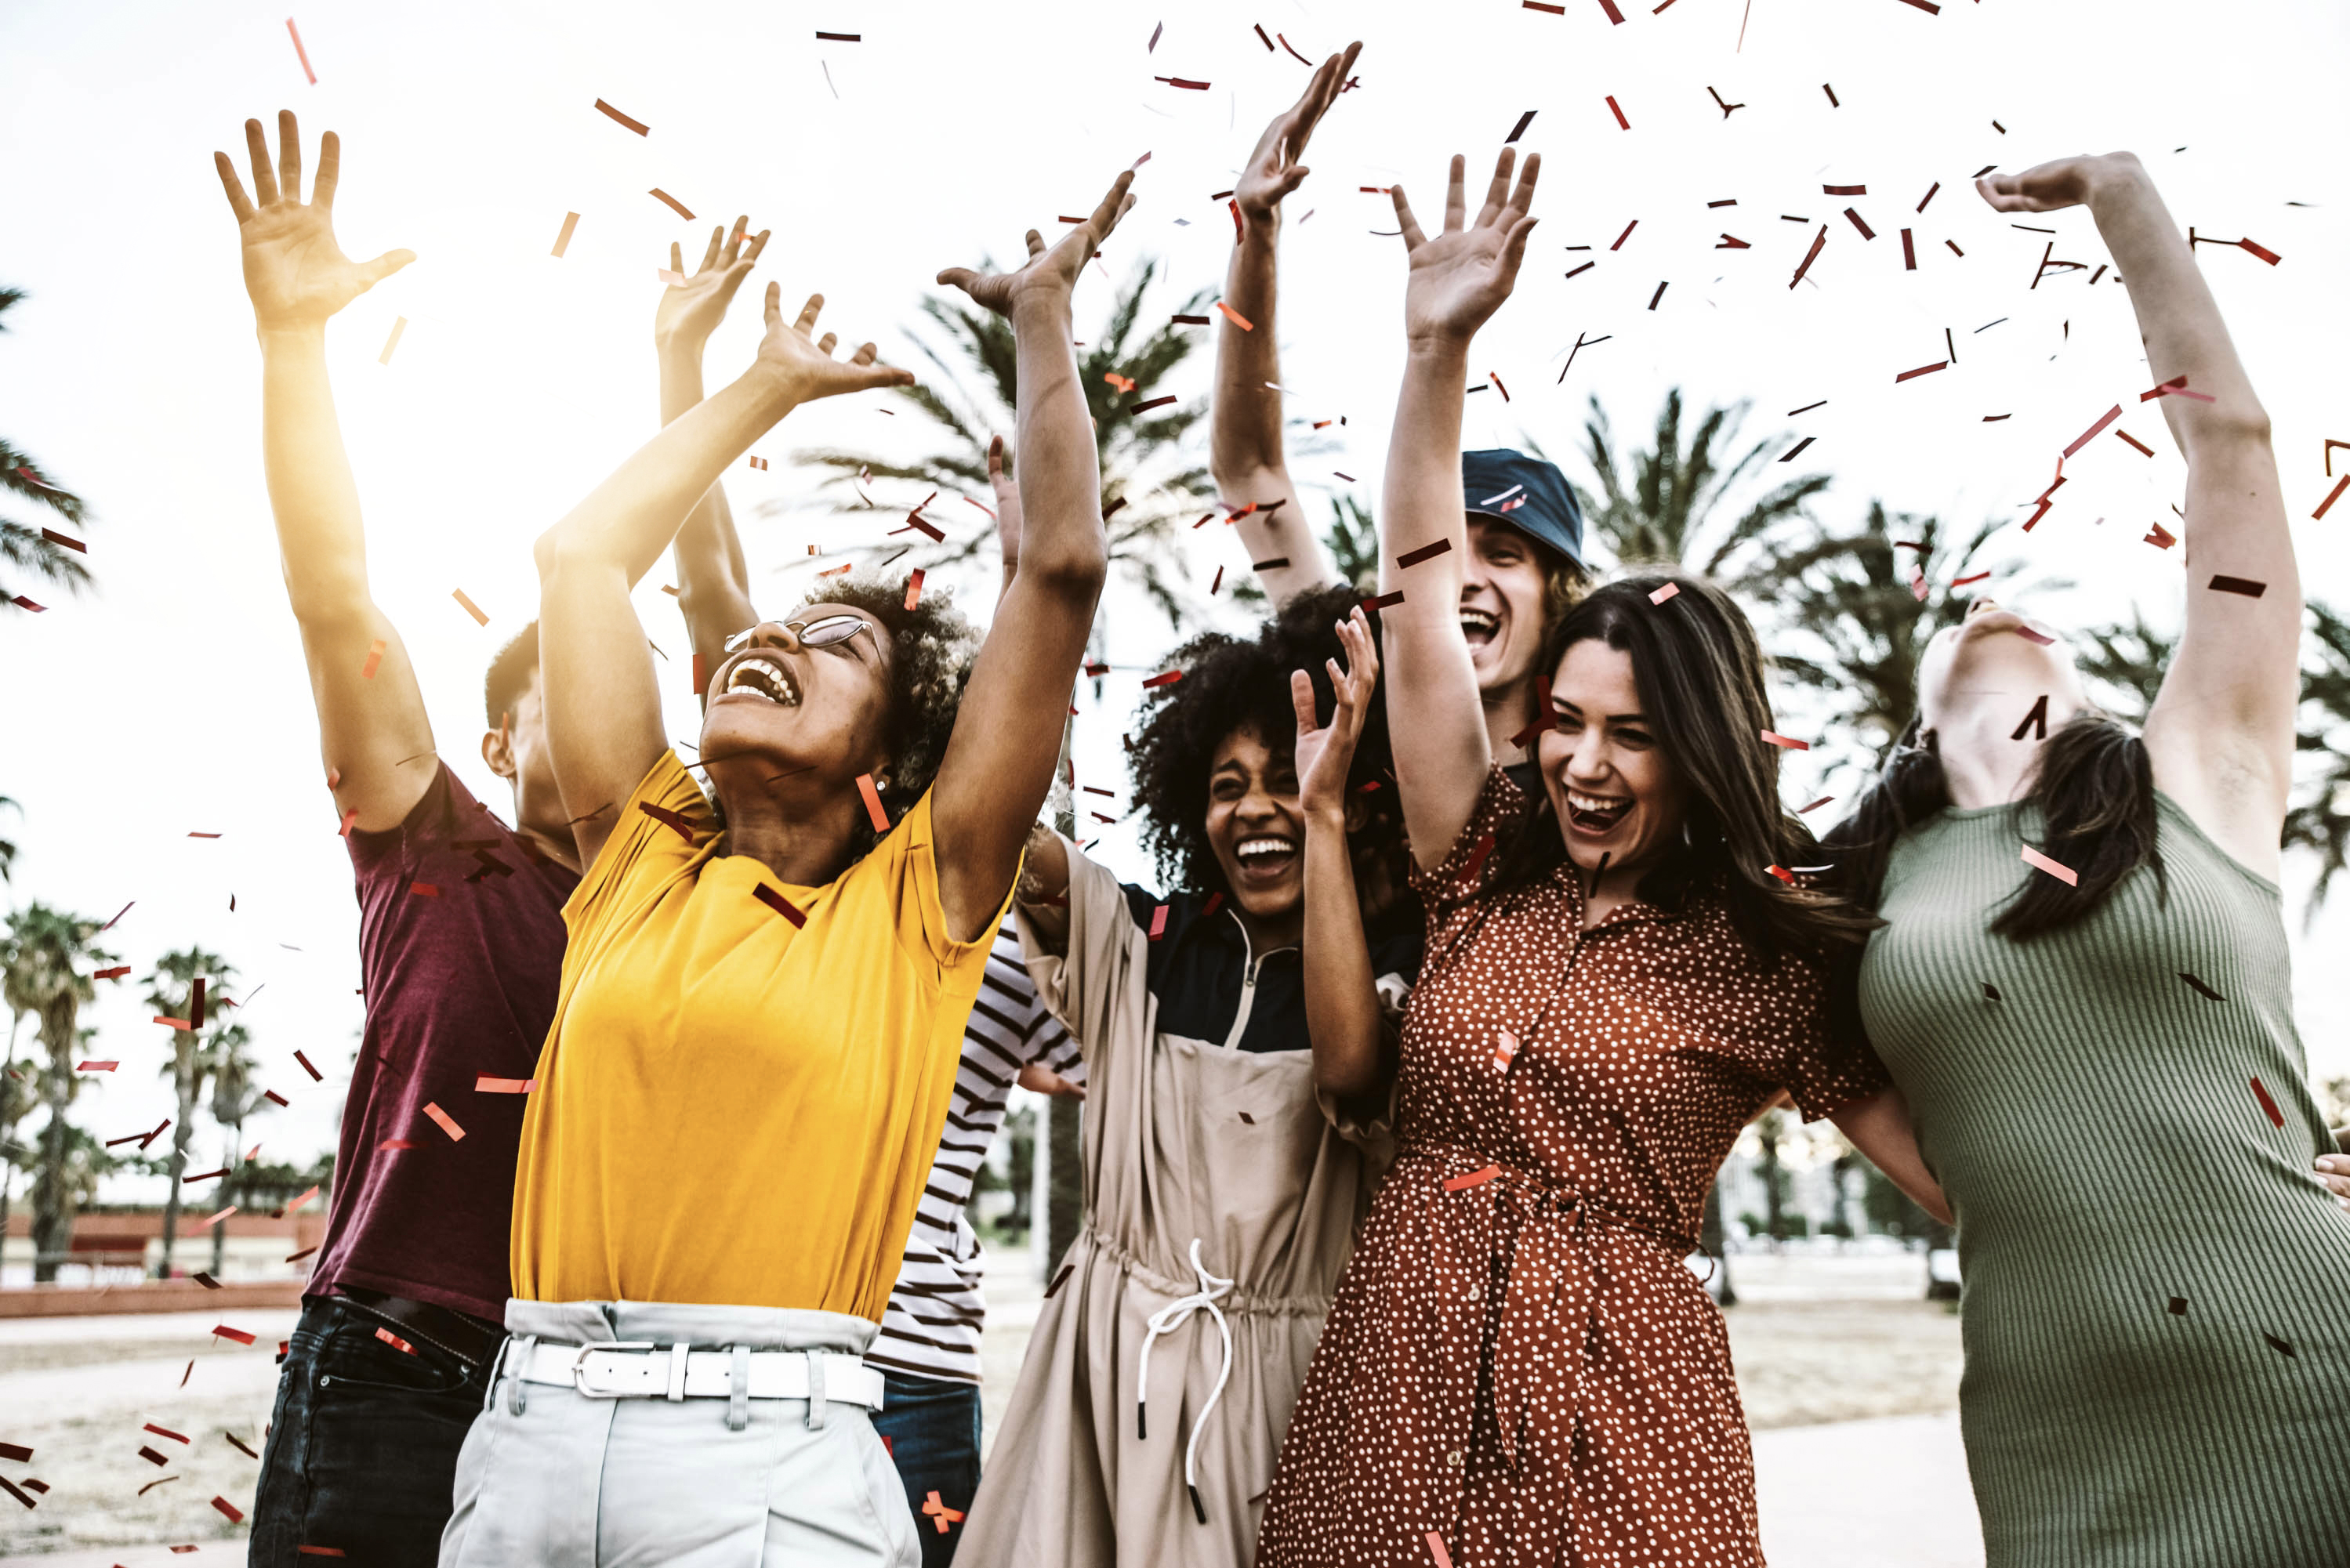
(1769,1137)
(220,1231)
(1714,1237)
(53,1202)
(1061,1140)
(184,1045)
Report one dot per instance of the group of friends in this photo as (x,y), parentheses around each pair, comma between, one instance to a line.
(1483,941)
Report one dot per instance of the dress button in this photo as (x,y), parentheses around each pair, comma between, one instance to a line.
(1476,1292)
(1454,1458)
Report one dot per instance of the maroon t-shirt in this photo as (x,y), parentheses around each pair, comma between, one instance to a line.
(460,949)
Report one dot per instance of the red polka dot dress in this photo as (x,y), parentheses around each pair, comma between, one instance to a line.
(1518,1359)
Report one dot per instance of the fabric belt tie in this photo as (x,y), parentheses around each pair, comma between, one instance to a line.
(1167,1320)
(738,1374)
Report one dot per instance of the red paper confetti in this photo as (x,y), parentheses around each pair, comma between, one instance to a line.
(668,818)
(1234,317)
(1616,109)
(21,602)
(374,660)
(1170,398)
(563,240)
(2039,862)
(97,1066)
(1382,601)
(1908,253)
(2175,388)
(2244,585)
(448,1123)
(1410,558)
(777,902)
(295,1205)
(2091,434)
(1661,594)
(319,1551)
(1460,1184)
(67,540)
(1545,720)
(299,52)
(1505,1052)
(1477,858)
(1528,118)
(1157,922)
(2267,1104)
(842,38)
(1778,740)
(223,1331)
(1539,5)
(671,203)
(1815,805)
(2330,497)
(1922,371)
(1818,241)
(2035,720)
(2208,994)
(1169,679)
(1865,232)
(235,1514)
(164,1432)
(394,1341)
(1782,873)
(485,1085)
(2144,450)
(2160,537)
(880,817)
(1180,82)
(1796,451)
(424,889)
(16,1452)
(640,127)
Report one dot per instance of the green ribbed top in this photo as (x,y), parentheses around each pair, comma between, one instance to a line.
(2137,1236)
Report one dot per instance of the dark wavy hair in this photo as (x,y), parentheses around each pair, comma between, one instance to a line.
(510,672)
(1233,683)
(930,650)
(1699,670)
(2094,784)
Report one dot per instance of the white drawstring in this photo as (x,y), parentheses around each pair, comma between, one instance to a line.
(1167,1320)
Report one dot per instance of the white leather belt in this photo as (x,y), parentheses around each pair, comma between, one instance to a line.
(641,1370)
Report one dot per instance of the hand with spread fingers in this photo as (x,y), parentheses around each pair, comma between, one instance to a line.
(691,311)
(2064,182)
(1273,170)
(1051,271)
(806,363)
(1461,276)
(295,272)
(1325,752)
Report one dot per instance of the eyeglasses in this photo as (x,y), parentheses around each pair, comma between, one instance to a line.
(825,631)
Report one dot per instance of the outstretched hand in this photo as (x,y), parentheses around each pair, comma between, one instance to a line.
(1327,753)
(1053,269)
(2065,183)
(806,362)
(1273,170)
(691,311)
(295,272)
(1460,277)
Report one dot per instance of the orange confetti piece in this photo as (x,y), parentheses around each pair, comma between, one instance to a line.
(2332,496)
(299,52)
(447,1123)
(1235,317)
(563,240)
(2058,869)
(374,660)
(913,588)
(223,1331)
(424,890)
(873,809)
(471,608)
(394,1341)
(1778,740)
(671,203)
(486,1085)
(1474,1178)
(639,126)
(1661,594)
(398,326)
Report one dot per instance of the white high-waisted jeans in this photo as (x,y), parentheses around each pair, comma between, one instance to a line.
(549,1474)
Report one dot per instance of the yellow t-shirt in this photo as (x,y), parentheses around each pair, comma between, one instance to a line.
(730,1109)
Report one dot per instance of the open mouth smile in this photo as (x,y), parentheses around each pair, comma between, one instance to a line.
(1595,815)
(760,676)
(1479,627)
(1265,856)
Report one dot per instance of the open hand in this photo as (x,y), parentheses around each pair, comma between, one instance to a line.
(806,362)
(1054,269)
(1038,1079)
(1325,755)
(1460,277)
(295,272)
(691,311)
(2066,182)
(1273,170)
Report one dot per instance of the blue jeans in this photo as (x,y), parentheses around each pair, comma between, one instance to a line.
(363,1444)
(932,1430)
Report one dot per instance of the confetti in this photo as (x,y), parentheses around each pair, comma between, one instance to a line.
(1153,45)
(671,203)
(1474,1178)
(1846,189)
(1908,253)
(2332,496)
(2179,1306)
(777,902)
(16,1452)
(2244,585)
(1922,371)
(2267,1104)
(913,588)
(1425,553)
(1059,1280)
(424,889)
(1157,922)
(2094,430)
(1485,847)
(1169,679)
(1383,601)
(934,1509)
(1539,5)
(2036,719)
(1865,232)
(640,127)
(1616,109)
(164,1432)
(447,1123)
(1730,241)
(880,818)
(1816,804)
(2039,862)
(299,52)
(1828,90)
(1778,740)
(1170,398)
(2144,450)
(235,1514)
(1302,61)
(1232,316)
(1661,594)
(1810,256)
(223,1331)
(1180,82)
(374,660)
(668,818)
(1798,450)
(1528,118)
(1586,266)
(394,1341)
(2279,1345)
(563,240)
(21,602)
(319,1551)
(1658,295)
(471,608)
(841,38)
(67,540)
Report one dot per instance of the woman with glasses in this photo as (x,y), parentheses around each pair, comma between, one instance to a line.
(763,1002)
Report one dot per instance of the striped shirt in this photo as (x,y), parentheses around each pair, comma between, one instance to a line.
(936,1310)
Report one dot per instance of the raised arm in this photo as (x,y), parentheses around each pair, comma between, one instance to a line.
(1007,733)
(372,731)
(603,710)
(1245,451)
(1343,1018)
(2220,735)
(1438,724)
(713,584)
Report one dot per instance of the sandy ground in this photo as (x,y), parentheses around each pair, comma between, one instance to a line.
(1850,1381)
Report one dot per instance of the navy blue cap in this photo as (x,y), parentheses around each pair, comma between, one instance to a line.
(1527,492)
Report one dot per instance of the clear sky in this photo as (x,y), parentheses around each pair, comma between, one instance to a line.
(173,701)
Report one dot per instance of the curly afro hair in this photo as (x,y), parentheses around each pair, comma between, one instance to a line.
(931,647)
(1231,684)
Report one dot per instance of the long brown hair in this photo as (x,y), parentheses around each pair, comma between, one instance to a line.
(1699,670)
(2094,785)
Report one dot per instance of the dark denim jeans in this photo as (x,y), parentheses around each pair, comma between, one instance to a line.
(362,1450)
(932,1429)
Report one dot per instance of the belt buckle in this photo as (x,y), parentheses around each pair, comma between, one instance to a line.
(579,1366)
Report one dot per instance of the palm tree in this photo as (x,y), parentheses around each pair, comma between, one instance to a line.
(1150,493)
(236,1097)
(1657,504)
(8,845)
(1353,541)
(42,972)
(20,1091)
(2132,659)
(170,991)
(25,551)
